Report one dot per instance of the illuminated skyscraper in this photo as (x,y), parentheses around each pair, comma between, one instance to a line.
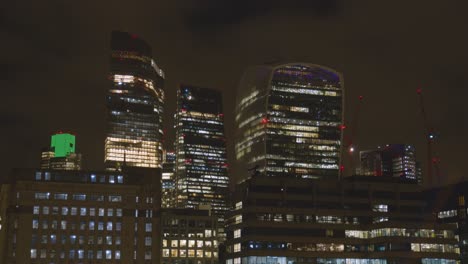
(393,160)
(288,120)
(201,166)
(134,105)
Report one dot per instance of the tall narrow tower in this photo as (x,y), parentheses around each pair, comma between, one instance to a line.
(201,166)
(134,105)
(288,121)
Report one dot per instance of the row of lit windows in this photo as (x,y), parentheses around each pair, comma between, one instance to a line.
(297,83)
(276,260)
(292,246)
(80,240)
(447,248)
(77,197)
(189,243)
(303,91)
(76,254)
(191,253)
(83,211)
(90,225)
(382,232)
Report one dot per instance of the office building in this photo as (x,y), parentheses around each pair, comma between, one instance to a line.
(358,220)
(449,205)
(60,155)
(168,180)
(80,217)
(134,105)
(288,121)
(189,237)
(201,165)
(393,160)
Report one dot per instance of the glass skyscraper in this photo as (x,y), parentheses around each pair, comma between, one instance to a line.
(134,105)
(288,121)
(201,165)
(168,180)
(392,160)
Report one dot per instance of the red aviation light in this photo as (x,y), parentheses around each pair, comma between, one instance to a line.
(341,168)
(342,127)
(264,120)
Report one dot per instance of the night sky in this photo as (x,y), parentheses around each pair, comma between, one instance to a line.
(54,62)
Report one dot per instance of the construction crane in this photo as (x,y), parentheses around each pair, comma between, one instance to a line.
(348,143)
(430,136)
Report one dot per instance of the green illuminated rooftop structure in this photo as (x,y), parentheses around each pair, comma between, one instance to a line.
(63,144)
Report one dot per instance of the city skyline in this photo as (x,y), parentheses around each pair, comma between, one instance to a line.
(365,56)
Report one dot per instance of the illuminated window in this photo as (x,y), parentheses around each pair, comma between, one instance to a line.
(35,224)
(148,227)
(108,240)
(42,196)
(63,224)
(79,197)
(108,254)
(237,247)
(115,198)
(191,253)
(183,243)
(60,196)
(174,243)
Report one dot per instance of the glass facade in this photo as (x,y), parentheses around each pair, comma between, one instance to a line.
(288,120)
(393,160)
(168,180)
(201,165)
(135,105)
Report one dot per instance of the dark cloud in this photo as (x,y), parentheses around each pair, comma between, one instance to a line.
(209,14)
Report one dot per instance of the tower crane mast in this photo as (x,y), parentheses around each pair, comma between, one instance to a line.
(430,136)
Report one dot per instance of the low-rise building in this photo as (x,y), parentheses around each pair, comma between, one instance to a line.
(81,217)
(189,236)
(357,220)
(448,204)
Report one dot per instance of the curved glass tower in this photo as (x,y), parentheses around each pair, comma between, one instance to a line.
(288,121)
(134,105)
